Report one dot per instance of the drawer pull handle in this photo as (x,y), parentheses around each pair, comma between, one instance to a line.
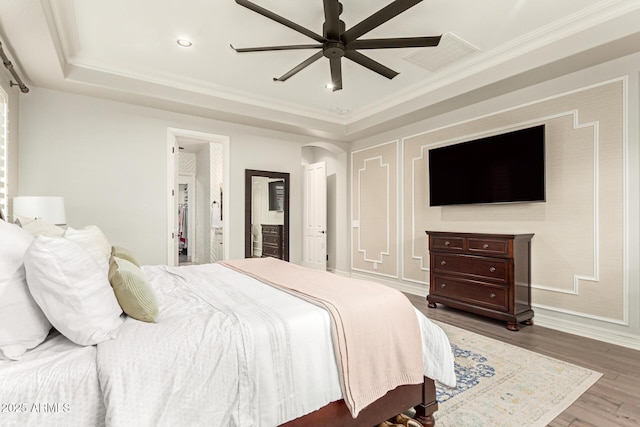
(444,285)
(447,243)
(492,269)
(485,246)
(492,295)
(443,262)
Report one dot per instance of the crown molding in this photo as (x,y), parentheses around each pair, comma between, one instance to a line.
(577,33)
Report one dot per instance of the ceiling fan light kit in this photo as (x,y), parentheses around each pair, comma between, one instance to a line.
(337,42)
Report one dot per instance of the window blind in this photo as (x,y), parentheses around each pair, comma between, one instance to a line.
(4,199)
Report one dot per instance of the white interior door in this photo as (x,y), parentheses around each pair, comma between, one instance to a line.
(175,167)
(314,247)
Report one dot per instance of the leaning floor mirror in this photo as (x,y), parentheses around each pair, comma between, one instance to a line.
(266,214)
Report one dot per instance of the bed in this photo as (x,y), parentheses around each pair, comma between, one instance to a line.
(224,348)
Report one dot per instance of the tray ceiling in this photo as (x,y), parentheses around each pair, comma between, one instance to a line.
(127,50)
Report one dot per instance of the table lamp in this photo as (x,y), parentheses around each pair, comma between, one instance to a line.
(46,208)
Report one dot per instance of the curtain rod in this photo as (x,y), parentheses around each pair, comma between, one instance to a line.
(9,66)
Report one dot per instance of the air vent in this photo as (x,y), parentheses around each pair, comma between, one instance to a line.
(451,49)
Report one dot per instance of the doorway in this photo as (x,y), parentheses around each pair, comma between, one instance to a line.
(336,243)
(198,178)
(314,216)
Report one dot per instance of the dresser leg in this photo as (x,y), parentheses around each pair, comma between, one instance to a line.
(432,305)
(513,326)
(528,322)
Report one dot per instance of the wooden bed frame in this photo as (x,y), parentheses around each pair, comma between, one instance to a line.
(422,397)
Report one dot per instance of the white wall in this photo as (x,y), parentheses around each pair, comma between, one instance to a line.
(109,160)
(606,307)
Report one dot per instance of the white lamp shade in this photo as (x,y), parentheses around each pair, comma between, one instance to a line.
(47,208)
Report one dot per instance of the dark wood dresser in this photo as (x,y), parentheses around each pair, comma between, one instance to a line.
(487,274)
(273,240)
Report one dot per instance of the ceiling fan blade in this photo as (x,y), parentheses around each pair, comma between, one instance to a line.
(269,48)
(279,19)
(332,19)
(299,67)
(380,17)
(394,43)
(369,63)
(336,73)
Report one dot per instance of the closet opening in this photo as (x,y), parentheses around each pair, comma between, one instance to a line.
(197,179)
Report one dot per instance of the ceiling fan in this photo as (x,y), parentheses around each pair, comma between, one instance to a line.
(337,42)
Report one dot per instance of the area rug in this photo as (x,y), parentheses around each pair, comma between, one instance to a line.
(503,385)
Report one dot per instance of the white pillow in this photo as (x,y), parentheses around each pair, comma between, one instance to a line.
(36,227)
(94,241)
(72,290)
(23,325)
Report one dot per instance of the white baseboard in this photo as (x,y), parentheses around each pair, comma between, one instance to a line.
(587,331)
(407,287)
(341,273)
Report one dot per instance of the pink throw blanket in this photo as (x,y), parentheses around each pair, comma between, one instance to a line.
(376,335)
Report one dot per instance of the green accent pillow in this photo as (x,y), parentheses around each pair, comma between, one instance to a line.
(133,292)
(123,253)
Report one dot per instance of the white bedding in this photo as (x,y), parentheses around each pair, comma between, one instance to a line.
(241,356)
(231,362)
(54,384)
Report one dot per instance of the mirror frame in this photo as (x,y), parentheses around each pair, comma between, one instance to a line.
(249,174)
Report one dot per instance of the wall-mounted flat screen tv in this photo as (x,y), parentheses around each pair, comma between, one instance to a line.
(503,168)
(276,196)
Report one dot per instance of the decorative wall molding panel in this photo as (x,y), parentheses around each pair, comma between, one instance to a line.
(375,210)
(373,207)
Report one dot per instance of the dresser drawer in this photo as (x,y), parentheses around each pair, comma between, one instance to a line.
(271,251)
(448,243)
(270,229)
(488,246)
(271,239)
(491,268)
(490,296)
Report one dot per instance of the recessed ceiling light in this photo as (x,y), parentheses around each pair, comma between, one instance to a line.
(339,110)
(184,43)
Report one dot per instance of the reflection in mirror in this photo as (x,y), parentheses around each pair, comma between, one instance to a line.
(266,214)
(267,217)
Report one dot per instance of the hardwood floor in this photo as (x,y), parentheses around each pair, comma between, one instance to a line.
(613,401)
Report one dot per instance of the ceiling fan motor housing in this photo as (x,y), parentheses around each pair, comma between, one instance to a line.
(333,49)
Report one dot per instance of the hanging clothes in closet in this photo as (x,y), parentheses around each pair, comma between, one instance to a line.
(182,228)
